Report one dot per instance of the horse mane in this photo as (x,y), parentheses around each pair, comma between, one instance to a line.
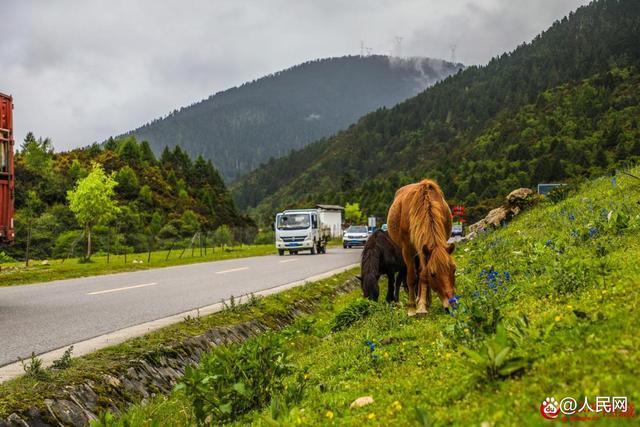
(370,262)
(428,224)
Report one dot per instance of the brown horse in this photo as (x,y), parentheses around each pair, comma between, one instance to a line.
(419,222)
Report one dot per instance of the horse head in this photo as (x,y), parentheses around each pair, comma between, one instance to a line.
(440,273)
(369,285)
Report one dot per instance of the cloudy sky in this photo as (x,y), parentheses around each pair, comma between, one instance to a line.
(83,70)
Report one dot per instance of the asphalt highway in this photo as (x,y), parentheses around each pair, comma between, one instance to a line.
(43,317)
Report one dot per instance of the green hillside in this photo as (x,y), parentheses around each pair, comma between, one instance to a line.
(240,128)
(548,307)
(563,106)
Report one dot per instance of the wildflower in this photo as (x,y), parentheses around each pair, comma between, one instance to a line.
(614,182)
(593,231)
(371,416)
(396,405)
(371,345)
(329,415)
(466,331)
(453,300)
(548,243)
(507,275)
(558,318)
(571,217)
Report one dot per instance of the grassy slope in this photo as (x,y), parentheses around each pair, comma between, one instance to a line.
(16,273)
(24,392)
(582,341)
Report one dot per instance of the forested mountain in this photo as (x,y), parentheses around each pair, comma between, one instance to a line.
(170,198)
(242,127)
(565,105)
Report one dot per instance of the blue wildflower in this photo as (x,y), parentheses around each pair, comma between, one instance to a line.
(548,243)
(571,217)
(614,181)
(371,345)
(593,231)
(507,275)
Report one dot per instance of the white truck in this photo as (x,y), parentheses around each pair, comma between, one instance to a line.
(299,230)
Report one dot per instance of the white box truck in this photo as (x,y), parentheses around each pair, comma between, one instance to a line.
(299,230)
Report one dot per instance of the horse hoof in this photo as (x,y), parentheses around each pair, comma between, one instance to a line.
(421,312)
(411,312)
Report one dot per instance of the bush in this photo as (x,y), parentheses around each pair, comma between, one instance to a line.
(357,310)
(234,380)
(569,275)
(5,258)
(265,237)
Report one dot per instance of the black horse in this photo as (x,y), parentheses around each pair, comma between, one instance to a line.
(381,256)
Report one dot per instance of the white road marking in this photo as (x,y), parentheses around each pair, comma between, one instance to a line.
(144,285)
(289,260)
(232,270)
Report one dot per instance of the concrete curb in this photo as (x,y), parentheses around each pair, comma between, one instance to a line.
(82,348)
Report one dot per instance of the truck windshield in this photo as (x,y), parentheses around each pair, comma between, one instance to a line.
(294,222)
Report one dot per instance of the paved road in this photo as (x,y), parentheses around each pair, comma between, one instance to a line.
(45,317)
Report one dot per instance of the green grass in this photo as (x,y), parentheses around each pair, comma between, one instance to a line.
(16,273)
(22,393)
(574,276)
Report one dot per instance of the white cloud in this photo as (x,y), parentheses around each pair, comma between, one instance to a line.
(81,71)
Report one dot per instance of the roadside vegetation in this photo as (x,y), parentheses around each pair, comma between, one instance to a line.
(118,198)
(38,383)
(16,273)
(548,306)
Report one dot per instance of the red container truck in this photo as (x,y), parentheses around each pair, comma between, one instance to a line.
(6,169)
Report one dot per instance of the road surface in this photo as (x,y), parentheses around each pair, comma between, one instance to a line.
(45,317)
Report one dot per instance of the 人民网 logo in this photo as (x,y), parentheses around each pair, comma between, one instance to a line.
(549,408)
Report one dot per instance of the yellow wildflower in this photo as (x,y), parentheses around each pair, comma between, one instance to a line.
(329,415)
(371,416)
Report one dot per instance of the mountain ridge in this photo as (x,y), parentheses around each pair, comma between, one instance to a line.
(244,126)
(432,133)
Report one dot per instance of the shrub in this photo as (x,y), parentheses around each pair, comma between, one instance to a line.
(33,368)
(357,310)
(569,275)
(65,361)
(234,380)
(5,258)
(266,237)
(494,360)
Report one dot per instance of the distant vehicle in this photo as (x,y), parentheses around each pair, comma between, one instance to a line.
(457,229)
(301,229)
(6,169)
(356,235)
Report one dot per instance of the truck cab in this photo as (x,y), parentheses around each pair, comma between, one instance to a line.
(300,229)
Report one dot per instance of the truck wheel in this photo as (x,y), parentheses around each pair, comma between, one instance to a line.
(344,246)
(313,250)
(281,252)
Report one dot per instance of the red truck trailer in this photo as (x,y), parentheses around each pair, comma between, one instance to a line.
(6,169)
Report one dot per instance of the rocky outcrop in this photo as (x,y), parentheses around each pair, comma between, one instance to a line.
(155,373)
(515,202)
